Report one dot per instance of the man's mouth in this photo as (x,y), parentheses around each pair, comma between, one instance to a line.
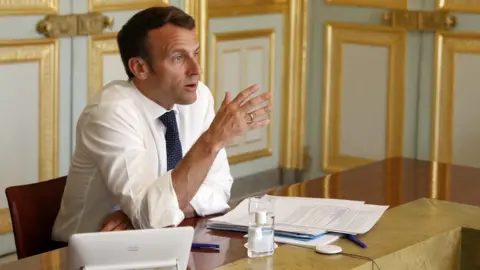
(191,86)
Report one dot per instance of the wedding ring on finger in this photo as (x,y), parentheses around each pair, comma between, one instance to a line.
(252,116)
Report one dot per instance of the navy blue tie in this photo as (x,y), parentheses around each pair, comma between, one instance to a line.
(172,140)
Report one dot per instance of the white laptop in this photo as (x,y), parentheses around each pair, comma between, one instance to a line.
(150,249)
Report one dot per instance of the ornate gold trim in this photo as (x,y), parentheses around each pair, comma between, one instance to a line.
(45,53)
(198,10)
(230,36)
(335,35)
(395,4)
(112,5)
(222,8)
(28,7)
(293,107)
(98,46)
(250,156)
(459,6)
(5,221)
(447,44)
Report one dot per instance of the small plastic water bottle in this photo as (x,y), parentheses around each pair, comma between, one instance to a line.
(260,232)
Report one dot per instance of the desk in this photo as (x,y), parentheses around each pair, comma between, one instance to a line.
(413,223)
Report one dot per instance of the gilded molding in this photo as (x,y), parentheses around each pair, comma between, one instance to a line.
(112,5)
(294,72)
(222,8)
(28,7)
(447,44)
(45,53)
(198,10)
(467,6)
(335,35)
(5,221)
(394,4)
(249,34)
(98,46)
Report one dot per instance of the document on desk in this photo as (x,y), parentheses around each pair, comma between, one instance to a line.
(308,217)
(352,219)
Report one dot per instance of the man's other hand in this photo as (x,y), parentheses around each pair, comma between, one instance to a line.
(116,221)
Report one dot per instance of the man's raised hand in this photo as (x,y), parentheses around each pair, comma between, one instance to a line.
(236,117)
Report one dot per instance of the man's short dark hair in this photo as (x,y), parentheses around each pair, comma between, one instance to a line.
(132,39)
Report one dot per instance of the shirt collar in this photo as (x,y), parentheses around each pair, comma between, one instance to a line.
(152,108)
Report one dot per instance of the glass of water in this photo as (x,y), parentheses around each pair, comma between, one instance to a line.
(261,226)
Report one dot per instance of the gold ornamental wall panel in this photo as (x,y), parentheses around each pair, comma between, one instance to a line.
(453,136)
(294,47)
(337,36)
(98,46)
(43,52)
(241,44)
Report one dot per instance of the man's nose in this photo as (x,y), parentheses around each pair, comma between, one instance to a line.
(194,67)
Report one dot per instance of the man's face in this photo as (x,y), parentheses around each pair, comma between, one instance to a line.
(174,59)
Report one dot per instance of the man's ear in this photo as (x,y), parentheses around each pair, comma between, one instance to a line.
(139,68)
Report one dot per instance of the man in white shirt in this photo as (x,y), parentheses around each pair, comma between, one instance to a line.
(153,144)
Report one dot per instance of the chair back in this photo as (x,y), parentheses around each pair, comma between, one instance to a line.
(33,210)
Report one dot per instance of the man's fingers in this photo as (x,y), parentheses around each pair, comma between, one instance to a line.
(114,226)
(252,103)
(242,96)
(258,113)
(226,100)
(259,124)
(109,226)
(120,227)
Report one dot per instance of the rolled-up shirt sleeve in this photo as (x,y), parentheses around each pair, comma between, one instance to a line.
(113,137)
(213,195)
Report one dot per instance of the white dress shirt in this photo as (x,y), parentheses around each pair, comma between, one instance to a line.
(120,159)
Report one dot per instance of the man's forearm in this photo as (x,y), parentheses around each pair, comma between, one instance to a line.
(192,170)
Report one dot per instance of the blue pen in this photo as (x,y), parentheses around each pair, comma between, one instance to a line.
(355,240)
(202,245)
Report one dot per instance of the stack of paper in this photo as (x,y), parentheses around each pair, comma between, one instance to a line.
(307,218)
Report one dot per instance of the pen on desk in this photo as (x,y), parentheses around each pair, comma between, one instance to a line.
(355,240)
(202,245)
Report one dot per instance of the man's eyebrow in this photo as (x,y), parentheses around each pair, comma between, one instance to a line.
(176,50)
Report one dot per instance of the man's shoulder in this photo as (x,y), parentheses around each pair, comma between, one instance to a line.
(115,99)
(117,91)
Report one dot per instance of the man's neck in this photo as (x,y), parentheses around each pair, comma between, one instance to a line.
(151,93)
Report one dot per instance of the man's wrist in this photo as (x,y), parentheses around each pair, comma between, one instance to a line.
(211,144)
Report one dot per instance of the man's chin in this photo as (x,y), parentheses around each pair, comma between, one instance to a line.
(188,99)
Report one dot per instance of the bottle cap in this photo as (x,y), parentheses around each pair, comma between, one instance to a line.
(260,217)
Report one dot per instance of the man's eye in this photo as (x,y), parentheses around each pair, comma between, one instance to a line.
(178,58)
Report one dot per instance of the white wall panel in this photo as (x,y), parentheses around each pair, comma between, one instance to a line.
(244,62)
(364,97)
(19,142)
(466,112)
(112,68)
